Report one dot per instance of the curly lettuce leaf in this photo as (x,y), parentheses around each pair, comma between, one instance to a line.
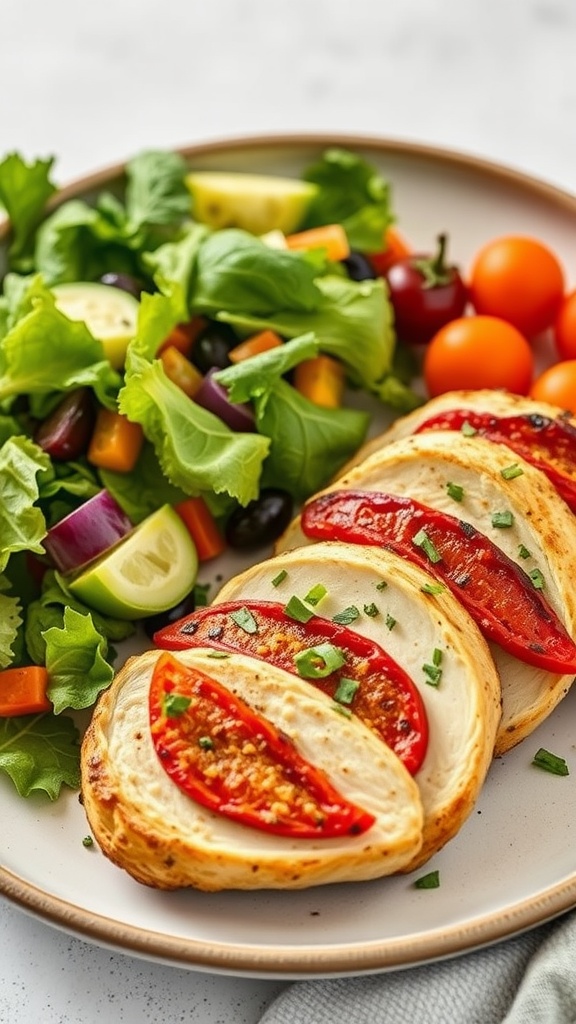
(45,351)
(80,241)
(22,524)
(10,622)
(351,192)
(309,444)
(196,450)
(24,192)
(40,753)
(256,377)
(76,662)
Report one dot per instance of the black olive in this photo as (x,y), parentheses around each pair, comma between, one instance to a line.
(359,267)
(155,622)
(261,521)
(125,282)
(212,346)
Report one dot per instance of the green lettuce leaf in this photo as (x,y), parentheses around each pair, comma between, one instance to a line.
(143,490)
(40,753)
(81,241)
(196,450)
(309,444)
(45,351)
(76,662)
(22,524)
(353,193)
(10,622)
(47,611)
(237,272)
(352,322)
(24,191)
(256,377)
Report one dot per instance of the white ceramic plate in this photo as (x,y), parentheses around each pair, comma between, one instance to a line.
(511,867)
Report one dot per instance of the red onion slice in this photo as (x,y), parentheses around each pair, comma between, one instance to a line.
(214,397)
(87,532)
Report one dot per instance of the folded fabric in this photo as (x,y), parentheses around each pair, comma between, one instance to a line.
(530,979)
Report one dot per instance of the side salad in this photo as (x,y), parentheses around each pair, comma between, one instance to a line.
(172,364)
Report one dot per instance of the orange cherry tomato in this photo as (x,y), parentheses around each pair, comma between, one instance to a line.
(565,328)
(557,385)
(520,280)
(476,352)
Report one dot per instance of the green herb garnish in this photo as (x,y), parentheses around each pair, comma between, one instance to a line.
(422,540)
(206,742)
(297,610)
(87,841)
(344,618)
(552,763)
(315,595)
(467,429)
(279,578)
(537,578)
(433,588)
(381,585)
(346,690)
(390,621)
(511,472)
(245,620)
(371,610)
(455,491)
(175,704)
(319,661)
(502,520)
(523,552)
(429,881)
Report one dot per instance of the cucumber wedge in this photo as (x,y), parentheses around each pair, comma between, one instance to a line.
(110,314)
(257,203)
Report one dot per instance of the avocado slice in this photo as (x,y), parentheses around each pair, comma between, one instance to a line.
(258,203)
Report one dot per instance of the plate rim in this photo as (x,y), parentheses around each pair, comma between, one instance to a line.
(341,959)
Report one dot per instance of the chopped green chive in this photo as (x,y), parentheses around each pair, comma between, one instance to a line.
(346,690)
(537,578)
(433,674)
(381,585)
(206,742)
(279,578)
(88,841)
(455,491)
(344,618)
(175,704)
(550,762)
(296,609)
(315,595)
(429,881)
(371,610)
(511,472)
(422,540)
(217,654)
(318,662)
(433,588)
(468,430)
(437,656)
(390,621)
(502,520)
(245,620)
(523,552)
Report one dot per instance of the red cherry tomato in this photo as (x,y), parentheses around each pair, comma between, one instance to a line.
(565,328)
(520,280)
(557,385)
(425,293)
(478,352)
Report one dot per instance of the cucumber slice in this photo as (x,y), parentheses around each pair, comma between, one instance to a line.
(110,314)
(258,203)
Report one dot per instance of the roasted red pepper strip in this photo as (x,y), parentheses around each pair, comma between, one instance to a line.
(497,593)
(548,444)
(234,762)
(386,699)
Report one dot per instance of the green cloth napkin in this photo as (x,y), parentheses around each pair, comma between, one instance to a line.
(530,979)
